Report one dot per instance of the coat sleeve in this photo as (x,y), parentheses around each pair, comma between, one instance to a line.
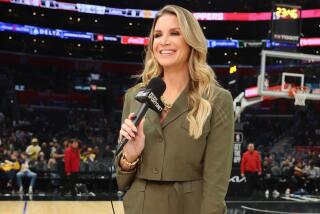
(218,155)
(124,178)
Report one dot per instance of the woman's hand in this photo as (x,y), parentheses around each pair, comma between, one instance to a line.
(135,136)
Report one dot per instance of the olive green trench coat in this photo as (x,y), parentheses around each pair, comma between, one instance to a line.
(178,174)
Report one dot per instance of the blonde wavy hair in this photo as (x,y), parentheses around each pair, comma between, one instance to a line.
(201,75)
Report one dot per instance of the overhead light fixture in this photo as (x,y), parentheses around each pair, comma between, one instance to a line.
(10,37)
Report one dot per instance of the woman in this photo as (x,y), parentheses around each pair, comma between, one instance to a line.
(178,161)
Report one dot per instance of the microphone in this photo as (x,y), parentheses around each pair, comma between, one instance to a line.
(150,98)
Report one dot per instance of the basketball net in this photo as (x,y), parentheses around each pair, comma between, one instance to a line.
(300,94)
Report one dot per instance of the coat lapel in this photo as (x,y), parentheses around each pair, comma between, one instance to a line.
(179,107)
(154,120)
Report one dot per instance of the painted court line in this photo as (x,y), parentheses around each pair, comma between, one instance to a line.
(25,207)
(269,211)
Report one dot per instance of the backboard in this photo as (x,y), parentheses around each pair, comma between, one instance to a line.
(282,71)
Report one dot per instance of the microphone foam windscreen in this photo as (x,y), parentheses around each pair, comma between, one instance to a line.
(157,86)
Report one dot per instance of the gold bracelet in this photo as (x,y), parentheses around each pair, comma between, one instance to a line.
(129,164)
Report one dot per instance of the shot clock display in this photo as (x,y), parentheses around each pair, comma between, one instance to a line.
(286,23)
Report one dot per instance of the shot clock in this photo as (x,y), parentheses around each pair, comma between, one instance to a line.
(286,21)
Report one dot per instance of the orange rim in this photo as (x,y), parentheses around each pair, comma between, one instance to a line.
(292,91)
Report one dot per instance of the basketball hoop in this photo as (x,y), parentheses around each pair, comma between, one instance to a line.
(300,94)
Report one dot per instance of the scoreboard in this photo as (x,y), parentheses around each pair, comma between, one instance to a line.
(286,23)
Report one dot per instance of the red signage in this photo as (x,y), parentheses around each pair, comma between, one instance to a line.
(310,42)
(100,37)
(134,40)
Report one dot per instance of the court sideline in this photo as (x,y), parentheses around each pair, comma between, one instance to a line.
(61,207)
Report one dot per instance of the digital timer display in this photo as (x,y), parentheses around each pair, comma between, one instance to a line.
(286,21)
(286,13)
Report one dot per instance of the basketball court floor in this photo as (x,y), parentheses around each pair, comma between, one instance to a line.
(116,207)
(60,207)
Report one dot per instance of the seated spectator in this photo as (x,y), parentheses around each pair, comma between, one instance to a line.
(8,169)
(286,168)
(270,178)
(41,164)
(33,150)
(89,155)
(107,153)
(313,173)
(56,163)
(46,150)
(96,151)
(25,172)
(299,176)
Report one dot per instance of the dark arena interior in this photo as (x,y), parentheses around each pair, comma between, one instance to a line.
(66,65)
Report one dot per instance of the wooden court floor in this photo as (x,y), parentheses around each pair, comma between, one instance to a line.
(60,207)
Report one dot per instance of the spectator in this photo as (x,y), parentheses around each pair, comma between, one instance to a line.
(8,169)
(89,155)
(41,164)
(97,152)
(300,175)
(46,150)
(72,164)
(313,173)
(25,172)
(33,150)
(56,165)
(251,168)
(270,178)
(107,153)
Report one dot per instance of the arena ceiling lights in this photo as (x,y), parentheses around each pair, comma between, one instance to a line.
(150,14)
